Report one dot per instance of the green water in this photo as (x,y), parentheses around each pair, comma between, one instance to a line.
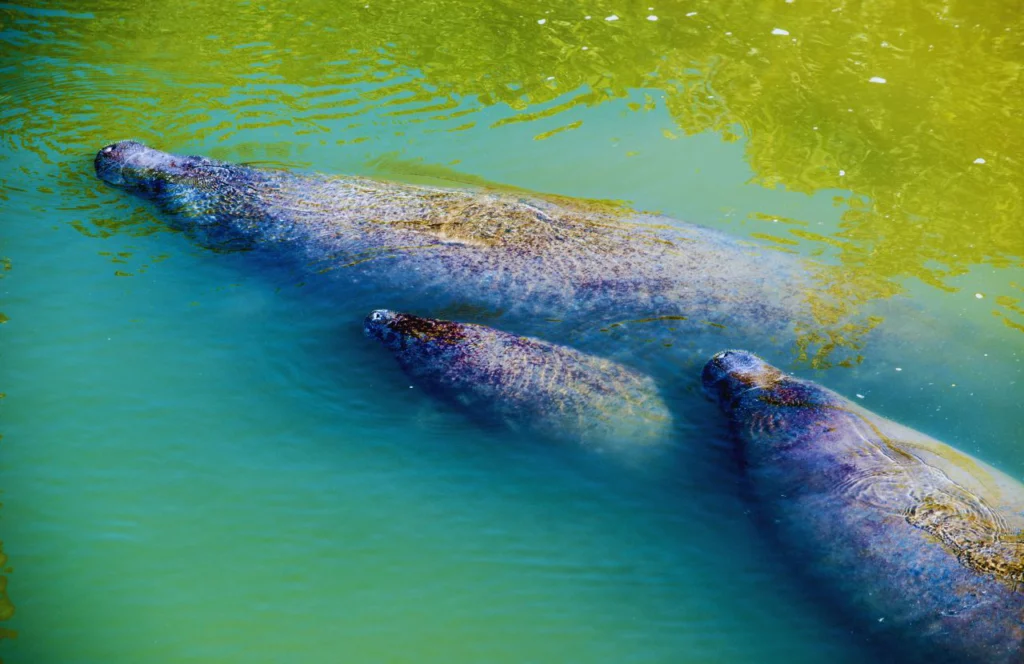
(201,463)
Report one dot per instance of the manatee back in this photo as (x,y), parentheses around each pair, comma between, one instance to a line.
(1003,493)
(918,537)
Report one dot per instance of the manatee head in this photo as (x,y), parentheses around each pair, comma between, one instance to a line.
(379,325)
(212,198)
(402,332)
(153,174)
(764,402)
(731,373)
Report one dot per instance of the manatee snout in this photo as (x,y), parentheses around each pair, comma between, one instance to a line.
(111,160)
(136,167)
(378,325)
(730,373)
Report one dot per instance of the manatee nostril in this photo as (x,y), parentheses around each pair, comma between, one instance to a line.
(721,359)
(375,322)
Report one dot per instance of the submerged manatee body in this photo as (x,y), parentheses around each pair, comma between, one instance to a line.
(920,540)
(526,384)
(571,272)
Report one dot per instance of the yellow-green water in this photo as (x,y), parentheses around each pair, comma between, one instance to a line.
(199,464)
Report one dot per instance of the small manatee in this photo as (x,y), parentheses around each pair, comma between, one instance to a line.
(919,541)
(526,384)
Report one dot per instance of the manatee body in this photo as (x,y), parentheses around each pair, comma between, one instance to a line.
(919,540)
(531,386)
(569,271)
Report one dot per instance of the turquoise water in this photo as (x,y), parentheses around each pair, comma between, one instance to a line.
(203,462)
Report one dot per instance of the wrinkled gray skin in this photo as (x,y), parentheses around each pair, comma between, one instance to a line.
(918,540)
(525,384)
(567,272)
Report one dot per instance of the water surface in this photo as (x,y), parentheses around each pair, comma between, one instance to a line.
(203,462)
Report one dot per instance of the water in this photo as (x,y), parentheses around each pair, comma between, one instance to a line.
(202,462)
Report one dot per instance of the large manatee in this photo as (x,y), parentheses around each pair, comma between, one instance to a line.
(568,271)
(529,385)
(919,540)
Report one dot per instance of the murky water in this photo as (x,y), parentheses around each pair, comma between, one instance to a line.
(202,461)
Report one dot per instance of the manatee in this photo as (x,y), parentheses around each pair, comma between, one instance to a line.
(530,386)
(917,540)
(568,271)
